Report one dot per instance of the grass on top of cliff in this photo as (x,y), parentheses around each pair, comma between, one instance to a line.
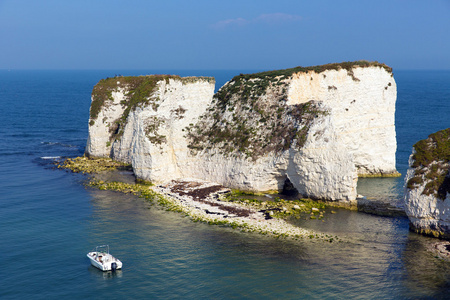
(139,91)
(349,65)
(431,164)
(261,80)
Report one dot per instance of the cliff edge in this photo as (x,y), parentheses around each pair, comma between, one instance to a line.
(317,127)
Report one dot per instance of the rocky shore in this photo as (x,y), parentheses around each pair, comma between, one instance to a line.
(207,202)
(212,203)
(441,249)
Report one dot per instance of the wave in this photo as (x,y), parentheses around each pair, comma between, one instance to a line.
(50,157)
(49,143)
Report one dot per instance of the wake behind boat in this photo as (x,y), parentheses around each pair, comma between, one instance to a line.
(100,258)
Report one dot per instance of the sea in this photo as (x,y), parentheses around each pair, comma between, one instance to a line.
(49,219)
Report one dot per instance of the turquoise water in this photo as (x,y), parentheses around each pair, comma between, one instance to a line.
(49,220)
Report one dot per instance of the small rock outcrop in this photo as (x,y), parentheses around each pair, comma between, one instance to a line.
(427,186)
(320,127)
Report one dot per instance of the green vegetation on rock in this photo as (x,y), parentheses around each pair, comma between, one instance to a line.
(278,207)
(250,116)
(431,164)
(139,189)
(139,92)
(89,165)
(152,125)
(285,73)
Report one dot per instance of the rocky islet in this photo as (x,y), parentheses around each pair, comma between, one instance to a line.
(319,127)
(427,186)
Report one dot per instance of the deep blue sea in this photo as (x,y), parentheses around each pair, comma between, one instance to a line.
(49,220)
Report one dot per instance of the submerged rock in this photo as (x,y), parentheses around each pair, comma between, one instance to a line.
(427,186)
(316,127)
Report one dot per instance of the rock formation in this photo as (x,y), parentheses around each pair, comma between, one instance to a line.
(427,186)
(318,127)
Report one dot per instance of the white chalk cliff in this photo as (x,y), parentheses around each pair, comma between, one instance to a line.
(427,186)
(363,111)
(319,127)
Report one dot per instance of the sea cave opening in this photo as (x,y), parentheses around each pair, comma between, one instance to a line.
(289,189)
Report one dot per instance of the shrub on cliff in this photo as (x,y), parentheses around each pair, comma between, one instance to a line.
(431,163)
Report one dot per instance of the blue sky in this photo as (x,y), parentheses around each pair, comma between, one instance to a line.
(209,34)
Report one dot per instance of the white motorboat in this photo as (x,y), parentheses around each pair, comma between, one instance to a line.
(100,258)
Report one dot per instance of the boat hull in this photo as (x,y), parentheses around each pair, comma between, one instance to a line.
(105,262)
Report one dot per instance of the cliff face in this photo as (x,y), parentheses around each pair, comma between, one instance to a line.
(363,111)
(427,186)
(317,127)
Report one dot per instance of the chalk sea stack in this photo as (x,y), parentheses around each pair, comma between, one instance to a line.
(427,186)
(318,128)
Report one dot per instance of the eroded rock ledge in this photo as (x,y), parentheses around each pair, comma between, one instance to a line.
(205,197)
(320,127)
(205,201)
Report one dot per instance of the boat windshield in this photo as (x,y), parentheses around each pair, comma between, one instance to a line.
(102,249)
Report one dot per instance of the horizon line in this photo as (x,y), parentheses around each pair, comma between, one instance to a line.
(184,69)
